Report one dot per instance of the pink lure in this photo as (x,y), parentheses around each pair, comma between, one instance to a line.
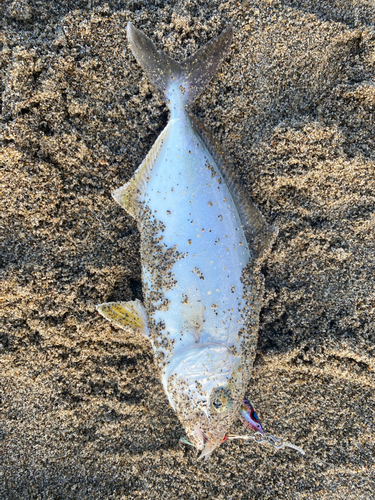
(249,417)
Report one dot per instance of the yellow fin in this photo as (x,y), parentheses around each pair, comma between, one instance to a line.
(126,315)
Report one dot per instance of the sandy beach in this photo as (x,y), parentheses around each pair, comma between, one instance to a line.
(83,414)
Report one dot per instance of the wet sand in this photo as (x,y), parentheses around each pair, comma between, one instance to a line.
(82,412)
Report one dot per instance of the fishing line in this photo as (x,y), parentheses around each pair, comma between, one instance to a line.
(276,443)
(258,437)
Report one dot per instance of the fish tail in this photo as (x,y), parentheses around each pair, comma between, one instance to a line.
(191,75)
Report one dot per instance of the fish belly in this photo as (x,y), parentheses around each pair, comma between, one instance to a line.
(193,248)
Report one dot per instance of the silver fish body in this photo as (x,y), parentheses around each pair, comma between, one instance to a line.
(201,243)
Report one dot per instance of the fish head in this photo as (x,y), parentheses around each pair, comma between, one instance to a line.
(205,387)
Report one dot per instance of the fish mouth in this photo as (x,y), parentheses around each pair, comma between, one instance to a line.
(206,445)
(209,447)
(203,444)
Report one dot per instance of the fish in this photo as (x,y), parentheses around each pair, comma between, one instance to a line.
(202,244)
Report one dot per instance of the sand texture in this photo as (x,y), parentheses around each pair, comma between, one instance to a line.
(82,412)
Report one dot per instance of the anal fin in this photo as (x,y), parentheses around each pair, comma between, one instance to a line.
(126,315)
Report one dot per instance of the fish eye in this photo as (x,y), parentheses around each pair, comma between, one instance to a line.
(220,400)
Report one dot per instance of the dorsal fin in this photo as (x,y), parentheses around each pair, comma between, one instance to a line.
(259,234)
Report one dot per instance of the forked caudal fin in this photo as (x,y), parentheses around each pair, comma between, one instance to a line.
(190,76)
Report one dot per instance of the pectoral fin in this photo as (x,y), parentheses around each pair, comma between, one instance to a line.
(126,315)
(192,314)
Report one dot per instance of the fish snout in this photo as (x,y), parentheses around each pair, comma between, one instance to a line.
(210,446)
